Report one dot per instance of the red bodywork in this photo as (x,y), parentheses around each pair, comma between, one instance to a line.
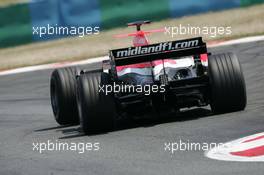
(139,39)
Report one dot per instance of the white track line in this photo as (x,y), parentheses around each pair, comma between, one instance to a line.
(99,59)
(239,41)
(52,66)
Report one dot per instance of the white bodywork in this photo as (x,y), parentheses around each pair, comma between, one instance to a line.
(172,66)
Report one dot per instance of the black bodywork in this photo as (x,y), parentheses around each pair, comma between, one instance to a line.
(179,93)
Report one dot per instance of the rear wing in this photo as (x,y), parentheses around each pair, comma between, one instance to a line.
(164,50)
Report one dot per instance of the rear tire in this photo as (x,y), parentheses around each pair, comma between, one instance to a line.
(228,90)
(96,109)
(63,96)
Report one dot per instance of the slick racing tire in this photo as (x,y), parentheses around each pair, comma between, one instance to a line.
(228,90)
(63,96)
(96,109)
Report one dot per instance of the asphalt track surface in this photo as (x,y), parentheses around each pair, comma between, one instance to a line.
(136,147)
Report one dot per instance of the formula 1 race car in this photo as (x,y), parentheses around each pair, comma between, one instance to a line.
(147,78)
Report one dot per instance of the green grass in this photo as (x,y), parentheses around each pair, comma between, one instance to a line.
(246,21)
(4,3)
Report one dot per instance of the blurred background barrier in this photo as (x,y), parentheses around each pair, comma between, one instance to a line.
(17,20)
(15,25)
